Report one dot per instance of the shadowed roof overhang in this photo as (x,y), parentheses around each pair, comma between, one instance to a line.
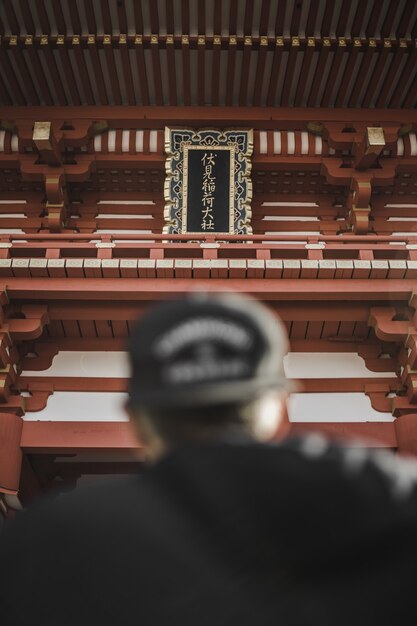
(309,53)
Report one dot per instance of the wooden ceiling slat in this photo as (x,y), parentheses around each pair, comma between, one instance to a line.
(376,76)
(27,17)
(243,91)
(347,76)
(264,17)
(279,22)
(169,11)
(217,17)
(71,81)
(342,21)
(215,73)
(185,16)
(389,19)
(201,16)
(201,73)
(1,27)
(304,72)
(370,30)
(260,73)
(137,8)
(59,18)
(87,328)
(157,74)
(311,19)
(98,73)
(404,23)
(318,75)
(154,15)
(283,98)
(90,15)
(122,16)
(233,17)
(18,95)
(105,12)
(186,72)
(44,19)
(11,17)
(71,328)
(26,76)
(82,70)
(53,70)
(275,72)
(127,73)
(295,19)
(332,76)
(231,63)
(120,328)
(40,75)
(75,18)
(114,79)
(359,80)
(358,19)
(172,74)
(5,96)
(327,18)
(143,79)
(248,18)
(409,67)
(411,96)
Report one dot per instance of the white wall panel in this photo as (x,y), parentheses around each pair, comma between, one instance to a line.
(296,364)
(71,406)
(328,365)
(334,407)
(84,364)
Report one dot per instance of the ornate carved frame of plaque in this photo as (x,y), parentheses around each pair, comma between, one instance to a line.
(208,187)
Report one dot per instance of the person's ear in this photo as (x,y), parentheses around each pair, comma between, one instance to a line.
(269,414)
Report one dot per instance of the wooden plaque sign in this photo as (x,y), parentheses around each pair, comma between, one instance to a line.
(208,187)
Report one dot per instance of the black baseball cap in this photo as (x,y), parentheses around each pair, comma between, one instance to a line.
(205,349)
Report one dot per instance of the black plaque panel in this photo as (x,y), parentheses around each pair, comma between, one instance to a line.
(208,191)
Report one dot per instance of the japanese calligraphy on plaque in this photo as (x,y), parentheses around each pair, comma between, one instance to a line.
(208,187)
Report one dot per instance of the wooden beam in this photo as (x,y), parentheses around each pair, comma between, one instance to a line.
(107,437)
(274,290)
(262,117)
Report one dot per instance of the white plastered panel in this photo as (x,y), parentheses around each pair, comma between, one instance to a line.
(334,407)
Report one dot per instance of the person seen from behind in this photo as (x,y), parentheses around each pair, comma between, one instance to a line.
(224,527)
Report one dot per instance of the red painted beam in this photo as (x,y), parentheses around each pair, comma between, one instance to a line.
(158,117)
(68,437)
(72,437)
(271,289)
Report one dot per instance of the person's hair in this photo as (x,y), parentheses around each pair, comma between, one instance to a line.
(179,426)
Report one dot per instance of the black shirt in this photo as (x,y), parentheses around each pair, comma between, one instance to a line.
(303,533)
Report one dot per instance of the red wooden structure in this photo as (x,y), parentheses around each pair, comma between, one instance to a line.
(86,90)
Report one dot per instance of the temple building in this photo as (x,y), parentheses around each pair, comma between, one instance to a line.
(104,104)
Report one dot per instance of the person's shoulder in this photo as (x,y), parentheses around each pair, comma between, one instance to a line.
(85,506)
